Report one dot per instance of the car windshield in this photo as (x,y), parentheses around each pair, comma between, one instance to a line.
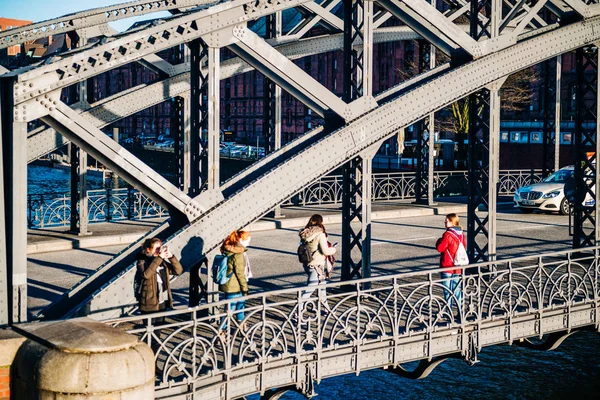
(560,176)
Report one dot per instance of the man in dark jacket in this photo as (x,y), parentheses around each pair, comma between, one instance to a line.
(155,265)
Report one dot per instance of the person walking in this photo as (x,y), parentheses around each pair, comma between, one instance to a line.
(315,235)
(448,245)
(155,265)
(235,247)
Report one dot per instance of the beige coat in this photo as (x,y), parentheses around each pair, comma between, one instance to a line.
(317,244)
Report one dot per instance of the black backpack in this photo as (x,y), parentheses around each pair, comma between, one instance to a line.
(304,254)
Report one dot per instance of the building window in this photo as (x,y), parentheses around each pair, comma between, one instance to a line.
(288,117)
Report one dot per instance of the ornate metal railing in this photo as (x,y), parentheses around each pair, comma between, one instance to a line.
(281,339)
(52,210)
(401,186)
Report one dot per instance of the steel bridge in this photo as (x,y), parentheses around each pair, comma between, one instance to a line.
(483,43)
(291,343)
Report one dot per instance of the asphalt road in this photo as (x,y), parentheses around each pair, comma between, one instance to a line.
(398,245)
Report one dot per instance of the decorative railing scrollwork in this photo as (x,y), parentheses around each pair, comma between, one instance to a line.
(401,186)
(52,210)
(392,319)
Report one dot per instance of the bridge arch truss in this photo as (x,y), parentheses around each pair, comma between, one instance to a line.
(500,40)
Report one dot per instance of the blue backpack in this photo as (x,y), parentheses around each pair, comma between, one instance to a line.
(219,270)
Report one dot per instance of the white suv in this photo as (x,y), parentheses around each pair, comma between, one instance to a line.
(547,195)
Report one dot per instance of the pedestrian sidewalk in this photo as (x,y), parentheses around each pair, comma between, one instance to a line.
(126,232)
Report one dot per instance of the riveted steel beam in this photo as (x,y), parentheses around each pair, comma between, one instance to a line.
(424,131)
(131,47)
(324,15)
(585,220)
(138,98)
(275,66)
(313,14)
(551,112)
(5,306)
(66,121)
(14,169)
(93,17)
(269,186)
(79,200)
(433,27)
(198,116)
(357,172)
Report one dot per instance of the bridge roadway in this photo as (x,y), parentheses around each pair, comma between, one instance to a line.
(399,245)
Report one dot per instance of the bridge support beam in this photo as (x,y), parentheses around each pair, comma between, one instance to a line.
(14,168)
(356,196)
(78,159)
(79,199)
(5,310)
(272,101)
(425,136)
(585,225)
(478,176)
(551,71)
(211,155)
(483,137)
(198,116)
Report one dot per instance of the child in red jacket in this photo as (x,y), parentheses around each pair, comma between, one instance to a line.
(447,245)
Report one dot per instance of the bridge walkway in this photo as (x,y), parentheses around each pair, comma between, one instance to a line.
(126,231)
(375,323)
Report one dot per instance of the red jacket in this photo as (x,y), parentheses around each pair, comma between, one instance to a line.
(447,245)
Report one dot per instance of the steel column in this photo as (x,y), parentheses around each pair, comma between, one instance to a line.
(425,133)
(79,199)
(557,113)
(585,221)
(181,117)
(478,173)
(356,197)
(5,305)
(14,146)
(272,101)
(198,117)
(211,153)
(494,166)
(479,140)
(550,108)
(78,158)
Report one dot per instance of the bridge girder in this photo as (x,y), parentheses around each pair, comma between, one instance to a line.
(33,84)
(242,207)
(136,99)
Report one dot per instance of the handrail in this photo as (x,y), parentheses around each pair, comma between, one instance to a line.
(377,318)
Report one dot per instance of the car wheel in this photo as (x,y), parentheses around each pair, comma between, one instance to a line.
(564,207)
(526,210)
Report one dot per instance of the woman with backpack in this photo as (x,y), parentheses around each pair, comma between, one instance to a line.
(155,265)
(448,246)
(234,247)
(315,236)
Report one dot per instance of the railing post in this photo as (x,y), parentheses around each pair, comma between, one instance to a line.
(129,202)
(108,205)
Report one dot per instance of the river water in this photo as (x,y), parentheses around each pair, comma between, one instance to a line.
(504,372)
(42,180)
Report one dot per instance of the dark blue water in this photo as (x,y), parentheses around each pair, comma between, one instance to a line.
(504,372)
(42,180)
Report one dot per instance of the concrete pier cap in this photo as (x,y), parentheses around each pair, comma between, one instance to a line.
(82,359)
